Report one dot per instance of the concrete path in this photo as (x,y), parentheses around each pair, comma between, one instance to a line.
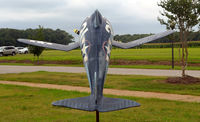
(166,96)
(123,71)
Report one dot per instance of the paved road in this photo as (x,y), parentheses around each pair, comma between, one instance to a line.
(124,71)
(177,97)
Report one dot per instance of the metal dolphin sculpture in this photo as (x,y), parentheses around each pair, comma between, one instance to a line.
(96,41)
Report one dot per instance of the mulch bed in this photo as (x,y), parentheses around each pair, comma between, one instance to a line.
(112,62)
(183,80)
(41,62)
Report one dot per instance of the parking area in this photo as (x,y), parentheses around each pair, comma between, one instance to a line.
(11,50)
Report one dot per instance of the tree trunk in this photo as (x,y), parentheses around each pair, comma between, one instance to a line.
(186,48)
(179,52)
(183,53)
(37,59)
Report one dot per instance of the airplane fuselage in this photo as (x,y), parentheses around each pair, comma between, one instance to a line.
(96,36)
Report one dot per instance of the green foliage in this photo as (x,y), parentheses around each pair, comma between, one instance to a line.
(10,36)
(169,45)
(182,15)
(35,50)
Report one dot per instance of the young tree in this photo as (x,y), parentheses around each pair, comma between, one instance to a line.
(35,50)
(182,15)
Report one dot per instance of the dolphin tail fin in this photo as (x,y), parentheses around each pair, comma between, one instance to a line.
(88,104)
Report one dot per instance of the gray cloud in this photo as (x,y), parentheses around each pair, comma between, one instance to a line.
(37,5)
(126,16)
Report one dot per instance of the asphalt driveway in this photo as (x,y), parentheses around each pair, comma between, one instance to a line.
(123,71)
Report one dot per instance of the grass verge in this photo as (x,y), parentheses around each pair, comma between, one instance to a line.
(74,58)
(123,82)
(22,104)
(149,54)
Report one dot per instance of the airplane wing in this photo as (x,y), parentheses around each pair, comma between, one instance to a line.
(50,45)
(141,41)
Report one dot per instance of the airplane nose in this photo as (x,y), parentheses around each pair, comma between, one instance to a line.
(97,19)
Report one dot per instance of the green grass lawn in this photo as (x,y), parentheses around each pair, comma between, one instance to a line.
(151,54)
(154,54)
(26,104)
(125,82)
(52,55)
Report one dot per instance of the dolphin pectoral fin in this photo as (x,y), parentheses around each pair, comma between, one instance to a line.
(142,40)
(50,45)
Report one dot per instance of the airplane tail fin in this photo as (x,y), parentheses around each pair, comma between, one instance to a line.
(88,104)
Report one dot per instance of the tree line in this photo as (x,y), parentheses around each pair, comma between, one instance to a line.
(8,36)
(193,36)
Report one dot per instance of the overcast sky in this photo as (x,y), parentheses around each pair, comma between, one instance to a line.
(126,16)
